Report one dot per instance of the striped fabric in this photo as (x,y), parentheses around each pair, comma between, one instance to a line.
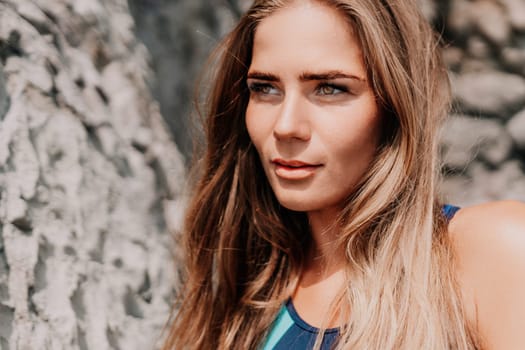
(290,332)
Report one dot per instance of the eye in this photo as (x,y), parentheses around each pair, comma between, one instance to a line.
(263,88)
(329,89)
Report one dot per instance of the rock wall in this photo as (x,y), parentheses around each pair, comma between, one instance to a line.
(88,180)
(179,35)
(484,142)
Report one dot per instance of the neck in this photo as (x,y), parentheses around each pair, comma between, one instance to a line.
(327,253)
(324,276)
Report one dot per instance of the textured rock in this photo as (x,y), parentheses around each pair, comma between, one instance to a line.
(491,20)
(516,128)
(429,9)
(460,20)
(4,98)
(480,183)
(457,189)
(187,31)
(485,50)
(478,47)
(492,92)
(506,181)
(514,59)
(465,139)
(89,181)
(516,12)
(453,57)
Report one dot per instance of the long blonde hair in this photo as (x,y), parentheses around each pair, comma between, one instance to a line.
(244,252)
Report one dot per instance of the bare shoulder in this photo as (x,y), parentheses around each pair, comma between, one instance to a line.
(502,221)
(489,241)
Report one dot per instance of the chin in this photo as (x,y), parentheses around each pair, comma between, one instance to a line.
(299,203)
(297,206)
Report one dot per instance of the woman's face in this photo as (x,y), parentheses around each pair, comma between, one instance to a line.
(312,115)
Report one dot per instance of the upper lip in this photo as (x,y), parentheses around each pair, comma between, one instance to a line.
(292,163)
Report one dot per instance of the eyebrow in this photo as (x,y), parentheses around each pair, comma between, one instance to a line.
(262,76)
(329,75)
(306,76)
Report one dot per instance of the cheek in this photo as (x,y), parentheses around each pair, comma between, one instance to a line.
(257,126)
(355,129)
(250,123)
(353,146)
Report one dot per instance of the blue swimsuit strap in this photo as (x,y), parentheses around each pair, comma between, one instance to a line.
(449,211)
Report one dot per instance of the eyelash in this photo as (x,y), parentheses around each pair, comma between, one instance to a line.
(263,89)
(334,87)
(259,88)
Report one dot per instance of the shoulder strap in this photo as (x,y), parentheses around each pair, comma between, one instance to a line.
(449,211)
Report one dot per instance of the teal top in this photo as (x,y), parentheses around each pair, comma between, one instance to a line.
(290,331)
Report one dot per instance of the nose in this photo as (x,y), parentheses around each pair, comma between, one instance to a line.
(292,122)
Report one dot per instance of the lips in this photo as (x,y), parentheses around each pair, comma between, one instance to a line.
(294,169)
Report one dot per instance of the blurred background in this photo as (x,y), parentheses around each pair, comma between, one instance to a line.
(96,127)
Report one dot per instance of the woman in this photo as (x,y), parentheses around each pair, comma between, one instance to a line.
(316,223)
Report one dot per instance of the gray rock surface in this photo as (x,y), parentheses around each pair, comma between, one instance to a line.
(4,98)
(481,183)
(491,20)
(515,10)
(429,8)
(88,177)
(484,149)
(516,128)
(478,48)
(494,93)
(180,36)
(514,58)
(465,139)
(459,20)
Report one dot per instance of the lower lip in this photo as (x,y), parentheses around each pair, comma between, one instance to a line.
(295,173)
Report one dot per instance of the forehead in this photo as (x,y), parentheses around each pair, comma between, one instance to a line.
(308,34)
